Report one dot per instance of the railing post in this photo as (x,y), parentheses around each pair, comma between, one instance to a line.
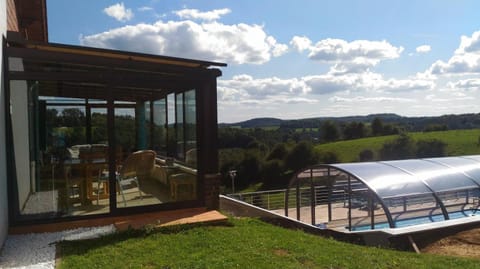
(298,199)
(372,210)
(329,196)
(349,204)
(286,201)
(312,198)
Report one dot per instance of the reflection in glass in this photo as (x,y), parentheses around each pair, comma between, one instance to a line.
(159,129)
(190,129)
(180,139)
(61,150)
(59,147)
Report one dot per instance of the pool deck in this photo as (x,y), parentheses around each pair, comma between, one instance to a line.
(361,216)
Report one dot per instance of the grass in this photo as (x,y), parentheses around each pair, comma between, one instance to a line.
(459,142)
(247,243)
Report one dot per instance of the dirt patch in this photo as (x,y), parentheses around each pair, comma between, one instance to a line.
(281,252)
(464,244)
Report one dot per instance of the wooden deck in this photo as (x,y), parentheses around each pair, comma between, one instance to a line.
(155,219)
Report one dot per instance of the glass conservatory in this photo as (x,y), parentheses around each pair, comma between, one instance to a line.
(95,132)
(387,194)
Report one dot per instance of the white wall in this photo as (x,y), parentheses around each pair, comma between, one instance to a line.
(19,112)
(3,159)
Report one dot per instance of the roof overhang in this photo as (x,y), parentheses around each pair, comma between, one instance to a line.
(82,71)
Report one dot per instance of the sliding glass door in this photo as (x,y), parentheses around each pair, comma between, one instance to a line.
(64,164)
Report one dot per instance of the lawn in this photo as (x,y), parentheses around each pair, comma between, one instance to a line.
(246,243)
(459,142)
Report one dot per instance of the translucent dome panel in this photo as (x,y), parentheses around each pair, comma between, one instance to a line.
(385,180)
(439,177)
(468,166)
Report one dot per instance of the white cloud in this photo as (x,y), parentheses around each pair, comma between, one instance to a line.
(465,60)
(145,8)
(347,57)
(119,12)
(364,82)
(465,84)
(247,87)
(332,50)
(301,43)
(402,85)
(195,14)
(362,99)
(237,43)
(469,44)
(312,89)
(423,49)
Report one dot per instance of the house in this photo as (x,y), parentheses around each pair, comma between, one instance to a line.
(91,133)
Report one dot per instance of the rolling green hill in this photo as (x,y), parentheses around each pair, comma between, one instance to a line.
(460,142)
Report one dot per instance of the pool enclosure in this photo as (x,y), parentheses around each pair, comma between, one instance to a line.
(387,194)
(94,132)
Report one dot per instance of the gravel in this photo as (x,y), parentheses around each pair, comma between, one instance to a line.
(38,250)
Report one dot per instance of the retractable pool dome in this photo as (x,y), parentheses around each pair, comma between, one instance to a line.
(386,194)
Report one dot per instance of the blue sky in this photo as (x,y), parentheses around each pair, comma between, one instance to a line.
(300,59)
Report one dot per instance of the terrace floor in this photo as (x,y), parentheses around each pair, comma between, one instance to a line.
(156,219)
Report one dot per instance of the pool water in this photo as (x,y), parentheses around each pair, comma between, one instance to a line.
(419,220)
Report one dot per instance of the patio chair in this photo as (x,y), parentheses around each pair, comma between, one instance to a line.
(139,165)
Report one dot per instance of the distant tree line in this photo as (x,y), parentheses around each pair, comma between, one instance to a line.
(409,124)
(273,155)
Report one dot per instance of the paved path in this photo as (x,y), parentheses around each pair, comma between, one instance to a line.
(37,250)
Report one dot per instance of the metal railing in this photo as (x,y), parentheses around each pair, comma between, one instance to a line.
(275,199)
(270,200)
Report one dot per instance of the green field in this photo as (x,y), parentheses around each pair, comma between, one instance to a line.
(244,243)
(459,142)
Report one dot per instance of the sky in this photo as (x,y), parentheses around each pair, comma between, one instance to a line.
(304,58)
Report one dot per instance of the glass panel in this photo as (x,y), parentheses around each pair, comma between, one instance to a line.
(148,124)
(171,139)
(386,180)
(180,139)
(413,210)
(61,150)
(460,203)
(190,129)
(174,171)
(160,131)
(99,126)
(339,197)
(126,130)
(99,155)
(467,165)
(57,168)
(438,177)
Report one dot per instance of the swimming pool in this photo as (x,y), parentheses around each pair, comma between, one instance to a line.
(419,220)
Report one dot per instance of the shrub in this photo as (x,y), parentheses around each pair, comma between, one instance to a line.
(301,156)
(431,148)
(366,155)
(272,172)
(402,147)
(279,152)
(249,169)
(329,157)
